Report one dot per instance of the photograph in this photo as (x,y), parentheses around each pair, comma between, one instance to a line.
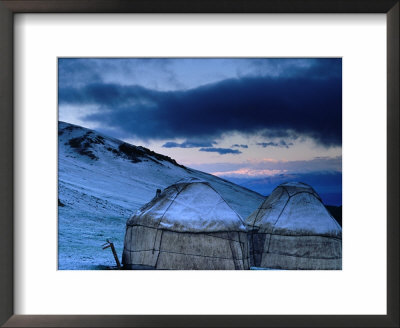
(199,163)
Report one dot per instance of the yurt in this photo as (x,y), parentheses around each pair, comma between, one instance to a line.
(188,226)
(293,230)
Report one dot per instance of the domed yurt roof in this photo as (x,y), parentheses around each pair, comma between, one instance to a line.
(188,226)
(189,205)
(294,208)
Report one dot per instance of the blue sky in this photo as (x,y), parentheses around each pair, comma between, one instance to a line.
(257,122)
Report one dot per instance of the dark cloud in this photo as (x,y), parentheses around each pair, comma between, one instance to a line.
(276,133)
(267,144)
(189,144)
(221,151)
(301,106)
(240,146)
(281,144)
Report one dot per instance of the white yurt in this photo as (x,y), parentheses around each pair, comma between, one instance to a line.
(189,226)
(292,230)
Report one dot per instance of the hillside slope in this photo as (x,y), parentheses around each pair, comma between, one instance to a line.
(103,181)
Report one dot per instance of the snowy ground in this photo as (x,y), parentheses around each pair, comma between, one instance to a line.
(103,181)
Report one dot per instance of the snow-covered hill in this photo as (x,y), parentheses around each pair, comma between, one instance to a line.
(102,181)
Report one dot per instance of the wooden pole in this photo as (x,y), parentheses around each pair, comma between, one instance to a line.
(115,256)
(110,244)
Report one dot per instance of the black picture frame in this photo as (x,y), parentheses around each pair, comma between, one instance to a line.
(10,7)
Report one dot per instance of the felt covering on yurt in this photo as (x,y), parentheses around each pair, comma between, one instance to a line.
(292,229)
(188,226)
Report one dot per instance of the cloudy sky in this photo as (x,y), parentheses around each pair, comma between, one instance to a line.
(257,122)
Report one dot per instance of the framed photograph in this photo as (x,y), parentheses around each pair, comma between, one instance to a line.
(165,162)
